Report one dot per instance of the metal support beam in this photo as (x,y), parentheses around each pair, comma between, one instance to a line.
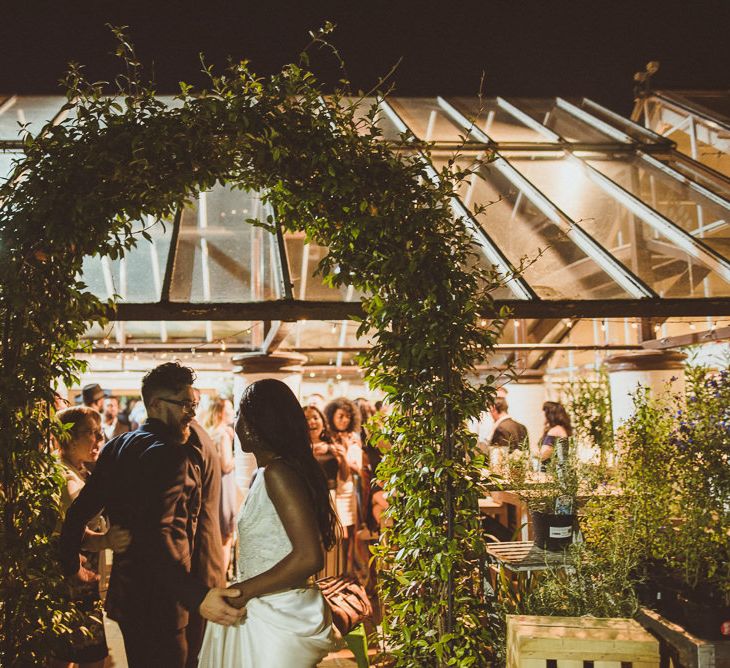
(694,338)
(651,136)
(596,123)
(292,310)
(170,267)
(284,269)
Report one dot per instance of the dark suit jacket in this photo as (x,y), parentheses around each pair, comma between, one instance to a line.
(509,432)
(207,564)
(151,486)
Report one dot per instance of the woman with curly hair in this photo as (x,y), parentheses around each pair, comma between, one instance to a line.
(343,418)
(557,431)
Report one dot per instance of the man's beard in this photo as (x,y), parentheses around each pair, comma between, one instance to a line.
(183,431)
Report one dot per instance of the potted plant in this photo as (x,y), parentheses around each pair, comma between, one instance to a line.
(552,502)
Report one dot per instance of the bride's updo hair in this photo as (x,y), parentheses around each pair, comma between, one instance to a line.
(274,415)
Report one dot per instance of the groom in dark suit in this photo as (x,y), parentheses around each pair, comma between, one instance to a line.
(148,482)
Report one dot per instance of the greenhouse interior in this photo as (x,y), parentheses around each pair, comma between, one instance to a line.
(612,234)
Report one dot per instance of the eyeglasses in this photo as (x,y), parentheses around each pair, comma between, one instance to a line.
(190,406)
(98,433)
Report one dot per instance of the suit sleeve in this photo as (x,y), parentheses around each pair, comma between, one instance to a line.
(164,524)
(498,437)
(89,503)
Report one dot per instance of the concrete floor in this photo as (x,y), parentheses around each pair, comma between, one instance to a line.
(117,658)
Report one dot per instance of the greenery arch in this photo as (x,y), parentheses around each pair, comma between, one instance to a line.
(390,232)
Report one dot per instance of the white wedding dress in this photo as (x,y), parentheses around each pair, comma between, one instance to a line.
(287,629)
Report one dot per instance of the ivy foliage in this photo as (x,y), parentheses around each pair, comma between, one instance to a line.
(320,162)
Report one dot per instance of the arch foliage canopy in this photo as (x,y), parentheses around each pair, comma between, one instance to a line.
(390,232)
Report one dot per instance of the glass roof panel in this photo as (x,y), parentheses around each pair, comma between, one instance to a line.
(570,128)
(363,108)
(495,121)
(426,119)
(699,174)
(303,261)
(687,208)
(36,110)
(634,130)
(6,163)
(222,258)
(554,266)
(696,137)
(667,269)
(138,276)
(714,103)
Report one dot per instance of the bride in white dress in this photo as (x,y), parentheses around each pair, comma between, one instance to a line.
(284,527)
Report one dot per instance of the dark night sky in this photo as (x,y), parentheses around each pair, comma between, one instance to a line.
(525,48)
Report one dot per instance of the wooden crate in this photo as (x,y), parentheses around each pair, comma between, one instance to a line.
(570,642)
(680,649)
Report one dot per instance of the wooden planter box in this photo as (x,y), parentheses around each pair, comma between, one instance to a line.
(680,649)
(568,642)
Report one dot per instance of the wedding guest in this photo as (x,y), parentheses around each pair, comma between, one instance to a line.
(219,424)
(343,418)
(81,447)
(93,396)
(111,422)
(557,431)
(332,458)
(507,431)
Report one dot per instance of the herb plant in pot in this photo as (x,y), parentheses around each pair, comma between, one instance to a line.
(552,503)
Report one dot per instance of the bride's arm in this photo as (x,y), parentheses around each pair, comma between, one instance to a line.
(293,503)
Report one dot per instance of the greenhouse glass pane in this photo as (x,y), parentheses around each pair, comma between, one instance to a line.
(137,277)
(303,262)
(703,141)
(677,201)
(697,173)
(554,266)
(622,124)
(222,258)
(363,108)
(495,121)
(668,270)
(560,121)
(426,119)
(7,163)
(36,110)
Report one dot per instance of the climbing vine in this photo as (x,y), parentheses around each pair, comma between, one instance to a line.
(322,165)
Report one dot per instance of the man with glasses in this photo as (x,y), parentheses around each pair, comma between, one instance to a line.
(148,482)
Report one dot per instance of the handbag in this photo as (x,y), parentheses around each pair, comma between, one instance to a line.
(347,601)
